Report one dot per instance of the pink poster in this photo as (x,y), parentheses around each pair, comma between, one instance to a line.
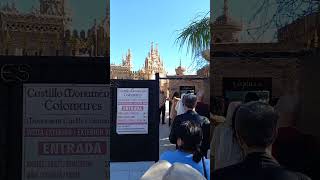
(132,110)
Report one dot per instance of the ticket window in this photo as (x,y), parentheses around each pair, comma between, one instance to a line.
(185,89)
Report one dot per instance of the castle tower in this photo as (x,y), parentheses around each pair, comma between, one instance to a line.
(52,7)
(151,50)
(226,8)
(180,70)
(123,60)
(153,63)
(157,50)
(226,29)
(56,8)
(128,59)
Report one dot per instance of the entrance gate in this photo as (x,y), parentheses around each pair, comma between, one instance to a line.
(136,145)
(135,128)
(185,87)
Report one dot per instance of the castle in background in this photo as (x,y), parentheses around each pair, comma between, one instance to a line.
(153,64)
(170,83)
(45,31)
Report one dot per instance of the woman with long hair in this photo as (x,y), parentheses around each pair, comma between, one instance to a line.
(225,148)
(189,136)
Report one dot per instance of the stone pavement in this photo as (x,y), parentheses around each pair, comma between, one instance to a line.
(164,131)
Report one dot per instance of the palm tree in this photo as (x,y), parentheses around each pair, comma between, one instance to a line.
(196,36)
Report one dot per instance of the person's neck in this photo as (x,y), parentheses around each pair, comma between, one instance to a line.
(190,109)
(185,151)
(258,150)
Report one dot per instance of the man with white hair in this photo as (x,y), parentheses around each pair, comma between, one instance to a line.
(189,102)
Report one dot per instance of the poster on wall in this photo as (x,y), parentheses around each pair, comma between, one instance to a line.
(66,131)
(132,110)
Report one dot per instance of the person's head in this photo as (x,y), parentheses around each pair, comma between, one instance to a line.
(189,136)
(189,101)
(256,126)
(163,170)
(176,94)
(251,96)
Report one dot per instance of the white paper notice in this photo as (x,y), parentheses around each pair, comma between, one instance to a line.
(66,130)
(132,110)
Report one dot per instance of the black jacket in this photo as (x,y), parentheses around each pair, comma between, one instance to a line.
(257,166)
(203,109)
(195,117)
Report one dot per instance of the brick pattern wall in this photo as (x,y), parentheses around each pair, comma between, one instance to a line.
(201,84)
(282,71)
(309,96)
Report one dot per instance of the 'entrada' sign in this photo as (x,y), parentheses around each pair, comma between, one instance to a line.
(66,131)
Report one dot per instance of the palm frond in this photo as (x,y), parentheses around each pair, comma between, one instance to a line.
(196,36)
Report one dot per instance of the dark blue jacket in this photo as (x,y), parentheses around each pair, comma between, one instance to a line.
(195,117)
(257,166)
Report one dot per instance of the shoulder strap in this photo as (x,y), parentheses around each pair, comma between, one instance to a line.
(204,168)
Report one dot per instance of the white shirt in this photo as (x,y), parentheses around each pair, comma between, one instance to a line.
(180,108)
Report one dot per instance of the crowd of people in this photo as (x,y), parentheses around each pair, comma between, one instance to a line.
(251,140)
(190,132)
(286,152)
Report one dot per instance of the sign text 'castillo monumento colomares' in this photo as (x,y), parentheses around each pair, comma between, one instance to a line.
(66,131)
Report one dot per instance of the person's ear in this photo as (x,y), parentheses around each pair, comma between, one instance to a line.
(275,134)
(179,142)
(240,141)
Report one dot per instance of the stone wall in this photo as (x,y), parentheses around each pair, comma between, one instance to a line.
(301,30)
(200,84)
(285,73)
(309,96)
(282,71)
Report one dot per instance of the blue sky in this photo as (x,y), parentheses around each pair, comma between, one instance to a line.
(83,11)
(135,24)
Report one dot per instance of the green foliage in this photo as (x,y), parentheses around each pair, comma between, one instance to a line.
(196,36)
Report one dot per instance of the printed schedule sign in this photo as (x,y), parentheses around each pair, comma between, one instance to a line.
(132,110)
(66,131)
